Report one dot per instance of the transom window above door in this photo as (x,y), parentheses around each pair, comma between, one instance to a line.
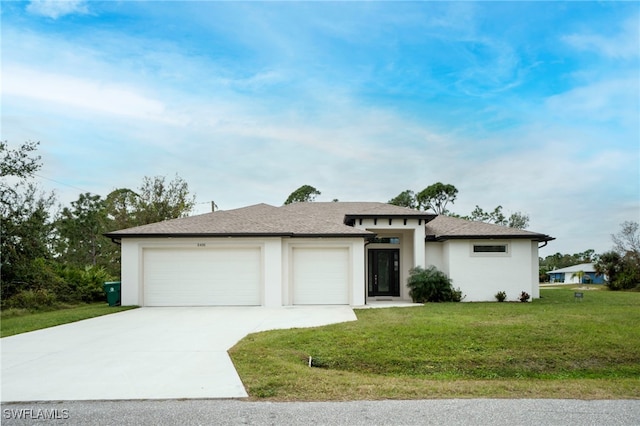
(386,240)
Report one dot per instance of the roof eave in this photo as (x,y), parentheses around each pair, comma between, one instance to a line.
(426,216)
(194,235)
(538,238)
(239,235)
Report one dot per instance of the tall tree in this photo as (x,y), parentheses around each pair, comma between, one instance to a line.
(25,225)
(627,241)
(80,230)
(404,199)
(517,220)
(19,163)
(159,200)
(121,209)
(496,216)
(26,234)
(622,264)
(436,197)
(303,194)
(610,265)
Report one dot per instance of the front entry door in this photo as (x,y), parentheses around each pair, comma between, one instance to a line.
(384,272)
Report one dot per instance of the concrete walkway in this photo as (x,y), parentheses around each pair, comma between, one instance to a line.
(145,353)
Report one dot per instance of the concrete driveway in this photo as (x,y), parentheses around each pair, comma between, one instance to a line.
(145,353)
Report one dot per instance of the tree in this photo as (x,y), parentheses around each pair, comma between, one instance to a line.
(25,226)
(80,230)
(158,200)
(496,216)
(517,220)
(120,206)
(622,264)
(303,194)
(578,274)
(627,241)
(609,265)
(436,197)
(26,234)
(404,199)
(19,163)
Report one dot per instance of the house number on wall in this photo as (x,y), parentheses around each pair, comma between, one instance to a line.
(202,245)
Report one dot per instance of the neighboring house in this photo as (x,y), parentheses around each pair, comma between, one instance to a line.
(570,275)
(343,253)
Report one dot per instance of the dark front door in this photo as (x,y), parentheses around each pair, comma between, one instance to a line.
(384,272)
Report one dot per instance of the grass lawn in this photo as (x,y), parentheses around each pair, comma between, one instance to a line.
(554,347)
(14,321)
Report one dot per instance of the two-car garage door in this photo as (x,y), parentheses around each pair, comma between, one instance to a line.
(202,277)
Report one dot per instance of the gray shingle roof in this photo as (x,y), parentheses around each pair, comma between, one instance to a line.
(314,219)
(342,211)
(445,227)
(256,220)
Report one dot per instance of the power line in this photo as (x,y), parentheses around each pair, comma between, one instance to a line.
(64,184)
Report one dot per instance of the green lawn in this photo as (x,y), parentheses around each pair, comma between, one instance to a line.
(20,321)
(554,347)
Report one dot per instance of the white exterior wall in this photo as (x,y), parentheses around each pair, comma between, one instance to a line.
(535,271)
(272,264)
(130,273)
(275,262)
(434,255)
(481,275)
(570,278)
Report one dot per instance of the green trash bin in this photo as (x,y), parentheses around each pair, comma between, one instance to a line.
(112,288)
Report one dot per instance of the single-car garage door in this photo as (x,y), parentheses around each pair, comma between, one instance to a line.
(320,276)
(202,277)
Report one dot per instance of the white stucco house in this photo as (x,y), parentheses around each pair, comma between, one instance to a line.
(338,253)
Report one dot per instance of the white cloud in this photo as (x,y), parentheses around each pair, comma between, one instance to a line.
(623,45)
(84,94)
(612,99)
(55,9)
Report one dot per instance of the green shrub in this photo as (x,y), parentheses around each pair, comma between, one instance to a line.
(524,297)
(627,279)
(501,296)
(45,283)
(431,285)
(456,295)
(86,285)
(32,300)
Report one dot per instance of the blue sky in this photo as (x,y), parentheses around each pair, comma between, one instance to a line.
(532,106)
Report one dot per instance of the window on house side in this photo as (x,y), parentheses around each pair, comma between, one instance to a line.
(497,248)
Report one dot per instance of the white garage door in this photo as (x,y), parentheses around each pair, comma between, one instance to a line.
(320,276)
(202,277)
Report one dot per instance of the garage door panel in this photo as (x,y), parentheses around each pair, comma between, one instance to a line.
(320,276)
(202,277)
